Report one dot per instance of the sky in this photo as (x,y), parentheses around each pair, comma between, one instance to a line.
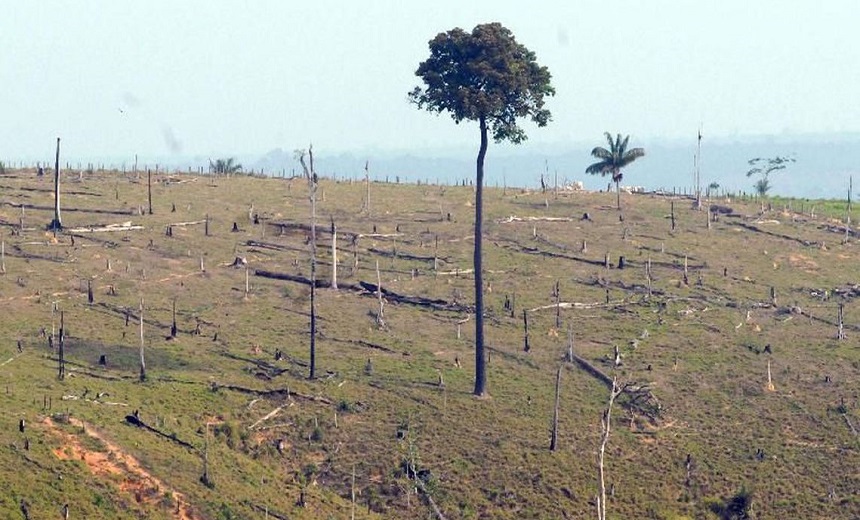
(219,78)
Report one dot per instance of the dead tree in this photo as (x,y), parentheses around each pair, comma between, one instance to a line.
(553,443)
(770,386)
(380,316)
(686,276)
(149,189)
(648,276)
(311,176)
(57,223)
(840,314)
(142,360)
(173,327)
(205,479)
(526,346)
(61,359)
(672,214)
(366,205)
(557,305)
(569,355)
(605,422)
(333,254)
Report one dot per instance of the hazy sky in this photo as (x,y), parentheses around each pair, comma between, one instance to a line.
(163,78)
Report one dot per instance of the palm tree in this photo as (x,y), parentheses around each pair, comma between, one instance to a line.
(613,159)
(227,166)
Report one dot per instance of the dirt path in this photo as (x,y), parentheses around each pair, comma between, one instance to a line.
(136,481)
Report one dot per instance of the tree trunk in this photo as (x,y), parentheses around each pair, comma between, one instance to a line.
(61,374)
(142,360)
(553,443)
(313,188)
(480,361)
(367,186)
(149,189)
(618,194)
(333,255)
(173,328)
(526,347)
(57,222)
(604,439)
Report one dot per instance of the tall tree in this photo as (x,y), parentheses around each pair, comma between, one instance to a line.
(613,159)
(488,77)
(763,167)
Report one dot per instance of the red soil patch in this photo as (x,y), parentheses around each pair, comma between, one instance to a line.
(134,479)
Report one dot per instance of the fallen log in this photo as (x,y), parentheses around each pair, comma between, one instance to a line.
(362,343)
(639,396)
(514,218)
(439,305)
(515,246)
(267,511)
(290,278)
(405,256)
(757,229)
(125,226)
(273,371)
(279,393)
(135,420)
(578,305)
(593,370)
(191,223)
(268,416)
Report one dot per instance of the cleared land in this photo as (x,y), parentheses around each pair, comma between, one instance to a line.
(237,367)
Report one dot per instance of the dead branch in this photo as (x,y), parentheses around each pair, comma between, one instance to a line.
(268,416)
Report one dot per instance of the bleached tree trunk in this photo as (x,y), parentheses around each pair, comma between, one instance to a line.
(569,354)
(380,317)
(604,439)
(840,333)
(367,186)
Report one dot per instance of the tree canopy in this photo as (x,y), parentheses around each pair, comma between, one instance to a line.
(613,159)
(228,166)
(763,167)
(484,75)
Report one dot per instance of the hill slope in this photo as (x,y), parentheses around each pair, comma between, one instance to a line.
(231,387)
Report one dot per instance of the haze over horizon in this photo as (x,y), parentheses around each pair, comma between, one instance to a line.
(176,80)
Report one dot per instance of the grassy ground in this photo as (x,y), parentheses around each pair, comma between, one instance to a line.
(376,401)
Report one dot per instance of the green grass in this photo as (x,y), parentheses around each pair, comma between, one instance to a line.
(488,458)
